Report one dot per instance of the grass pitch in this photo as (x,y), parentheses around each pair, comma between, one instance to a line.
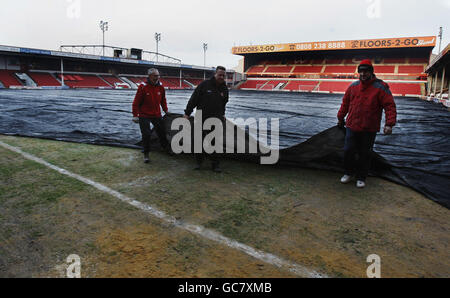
(304,216)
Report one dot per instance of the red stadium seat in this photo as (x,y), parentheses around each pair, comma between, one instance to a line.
(8,78)
(301,85)
(380,69)
(256,70)
(113,81)
(195,82)
(307,69)
(172,83)
(405,89)
(87,81)
(252,84)
(136,80)
(278,69)
(340,69)
(44,79)
(270,85)
(411,69)
(334,86)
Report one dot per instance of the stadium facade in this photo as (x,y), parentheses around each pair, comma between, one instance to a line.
(331,66)
(439,78)
(26,68)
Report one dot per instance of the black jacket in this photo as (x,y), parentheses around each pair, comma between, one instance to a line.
(209,98)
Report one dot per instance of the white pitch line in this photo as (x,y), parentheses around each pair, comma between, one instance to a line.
(196,229)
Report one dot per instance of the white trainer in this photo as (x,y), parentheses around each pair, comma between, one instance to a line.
(346,179)
(360,184)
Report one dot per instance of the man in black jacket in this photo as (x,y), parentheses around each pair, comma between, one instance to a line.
(211,97)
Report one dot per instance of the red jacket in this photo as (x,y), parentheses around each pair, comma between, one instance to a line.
(364,104)
(148,100)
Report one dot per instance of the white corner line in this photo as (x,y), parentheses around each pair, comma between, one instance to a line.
(268,258)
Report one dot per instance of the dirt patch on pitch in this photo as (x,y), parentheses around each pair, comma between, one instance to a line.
(148,251)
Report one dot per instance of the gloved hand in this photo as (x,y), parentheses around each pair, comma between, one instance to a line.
(136,119)
(387,130)
(341,124)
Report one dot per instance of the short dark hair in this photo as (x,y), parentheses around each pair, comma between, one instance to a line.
(220,68)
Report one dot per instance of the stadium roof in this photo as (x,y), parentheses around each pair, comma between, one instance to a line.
(439,59)
(60,54)
(384,43)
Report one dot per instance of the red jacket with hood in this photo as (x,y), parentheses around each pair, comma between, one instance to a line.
(364,103)
(148,101)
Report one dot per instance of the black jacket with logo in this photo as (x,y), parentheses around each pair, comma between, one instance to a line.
(209,98)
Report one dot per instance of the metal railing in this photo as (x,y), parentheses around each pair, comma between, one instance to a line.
(108,51)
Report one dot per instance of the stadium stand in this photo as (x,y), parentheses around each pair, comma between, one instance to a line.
(8,78)
(418,60)
(252,84)
(184,85)
(172,83)
(272,62)
(305,86)
(273,85)
(44,79)
(307,69)
(384,69)
(115,82)
(411,69)
(256,70)
(404,89)
(317,61)
(195,82)
(168,82)
(138,81)
(394,61)
(278,69)
(334,86)
(341,69)
(334,61)
(334,74)
(84,81)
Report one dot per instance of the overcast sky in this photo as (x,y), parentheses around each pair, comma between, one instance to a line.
(186,25)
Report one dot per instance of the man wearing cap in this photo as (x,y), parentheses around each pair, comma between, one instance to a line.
(147,104)
(363,104)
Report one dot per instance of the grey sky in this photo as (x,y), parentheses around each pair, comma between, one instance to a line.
(186,25)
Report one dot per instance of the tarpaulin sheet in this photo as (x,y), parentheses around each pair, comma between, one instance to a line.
(416,155)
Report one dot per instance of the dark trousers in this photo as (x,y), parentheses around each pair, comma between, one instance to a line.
(214,157)
(158,123)
(358,144)
(200,157)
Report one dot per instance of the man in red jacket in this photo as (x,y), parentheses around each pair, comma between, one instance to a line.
(364,102)
(147,104)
